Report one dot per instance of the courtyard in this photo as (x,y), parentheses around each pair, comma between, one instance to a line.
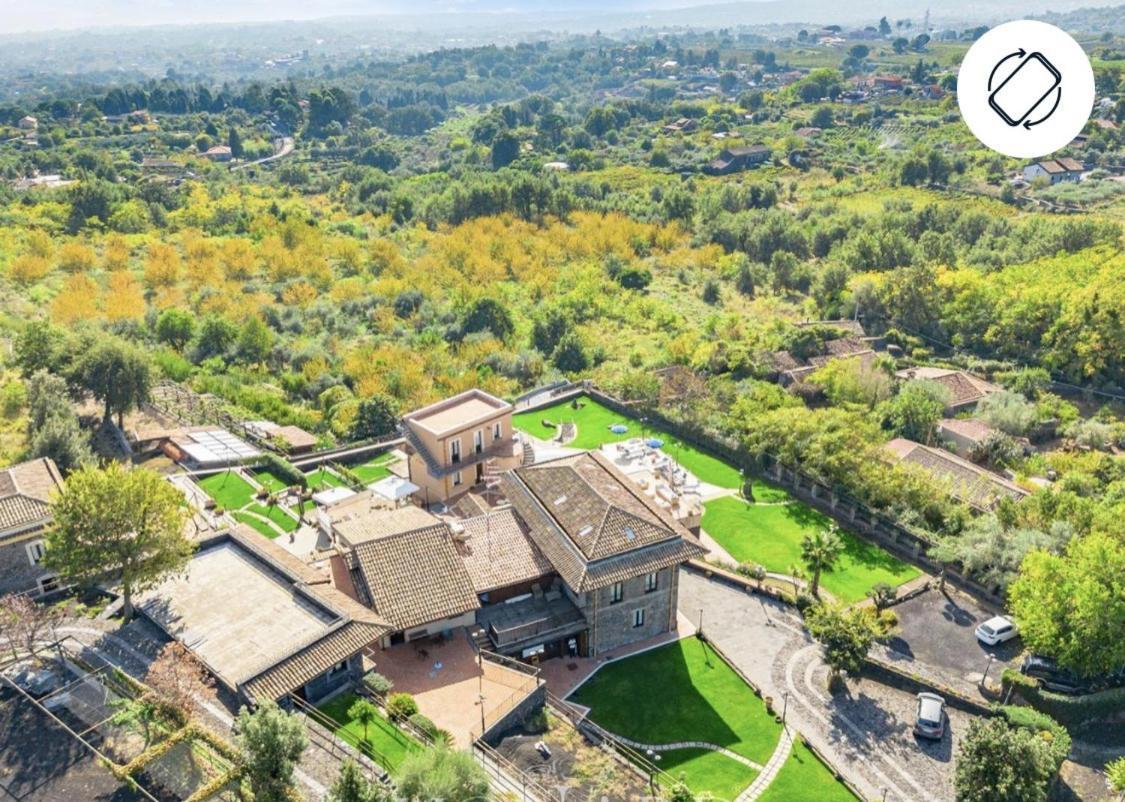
(770,534)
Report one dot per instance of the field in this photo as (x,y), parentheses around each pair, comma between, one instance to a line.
(229,490)
(771,535)
(374,469)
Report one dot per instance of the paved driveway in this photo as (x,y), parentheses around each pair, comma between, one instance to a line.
(935,638)
(865,731)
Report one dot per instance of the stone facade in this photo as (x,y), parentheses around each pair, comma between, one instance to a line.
(18,574)
(612,624)
(329,682)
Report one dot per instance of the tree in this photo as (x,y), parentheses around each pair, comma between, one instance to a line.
(1000,763)
(271,742)
(254,341)
(442,773)
(884,27)
(117,373)
(844,635)
(1072,606)
(175,327)
(352,786)
(52,427)
(26,623)
(570,354)
(900,44)
(234,141)
(1009,412)
(822,117)
(488,314)
(177,678)
(117,522)
(376,416)
(819,551)
(364,712)
(916,409)
(992,553)
(882,594)
(505,149)
(217,337)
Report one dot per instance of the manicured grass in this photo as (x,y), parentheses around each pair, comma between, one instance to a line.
(270,481)
(284,520)
(389,744)
(683,692)
(323,478)
(374,469)
(804,777)
(593,421)
(229,490)
(771,536)
(257,524)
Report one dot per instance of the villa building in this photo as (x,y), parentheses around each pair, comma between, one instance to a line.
(451,444)
(25,491)
(965,389)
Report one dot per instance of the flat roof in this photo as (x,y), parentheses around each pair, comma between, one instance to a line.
(459,412)
(235,612)
(215,447)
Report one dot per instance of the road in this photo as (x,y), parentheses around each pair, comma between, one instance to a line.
(287,146)
(865,731)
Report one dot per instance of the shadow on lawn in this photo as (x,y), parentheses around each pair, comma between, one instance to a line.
(652,698)
(858,551)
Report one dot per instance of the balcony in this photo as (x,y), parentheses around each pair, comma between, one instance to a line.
(503,448)
(531,620)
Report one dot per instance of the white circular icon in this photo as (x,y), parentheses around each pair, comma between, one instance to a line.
(1026,89)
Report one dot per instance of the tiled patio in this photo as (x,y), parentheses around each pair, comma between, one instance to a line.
(445,680)
(562,679)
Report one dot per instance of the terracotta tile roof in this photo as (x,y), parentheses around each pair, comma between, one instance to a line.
(358,522)
(413,578)
(964,388)
(497,551)
(970,483)
(969,428)
(25,493)
(592,523)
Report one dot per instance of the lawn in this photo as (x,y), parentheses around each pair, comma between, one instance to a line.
(260,526)
(594,420)
(284,520)
(771,536)
(374,469)
(681,692)
(229,490)
(270,481)
(387,742)
(804,777)
(322,478)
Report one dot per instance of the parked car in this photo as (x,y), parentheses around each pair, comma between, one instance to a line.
(930,721)
(997,629)
(1054,677)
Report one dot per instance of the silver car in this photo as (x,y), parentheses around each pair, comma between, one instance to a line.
(930,721)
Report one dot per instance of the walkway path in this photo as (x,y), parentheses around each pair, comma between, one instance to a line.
(722,750)
(772,767)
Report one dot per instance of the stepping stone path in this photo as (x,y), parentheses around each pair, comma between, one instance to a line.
(776,762)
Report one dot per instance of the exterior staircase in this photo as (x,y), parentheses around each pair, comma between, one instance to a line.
(528,453)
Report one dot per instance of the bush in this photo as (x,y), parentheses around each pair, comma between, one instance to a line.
(424,724)
(441,774)
(284,470)
(1053,732)
(378,683)
(401,706)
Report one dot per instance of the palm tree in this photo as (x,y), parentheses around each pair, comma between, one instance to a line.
(364,712)
(819,552)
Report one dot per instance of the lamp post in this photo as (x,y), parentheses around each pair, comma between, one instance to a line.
(784,708)
(652,760)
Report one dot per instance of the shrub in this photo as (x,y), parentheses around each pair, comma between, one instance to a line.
(284,470)
(378,683)
(1053,732)
(401,706)
(441,774)
(424,724)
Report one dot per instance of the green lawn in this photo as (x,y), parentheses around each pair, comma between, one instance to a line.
(771,536)
(257,524)
(284,520)
(374,469)
(229,490)
(270,481)
(804,777)
(322,478)
(389,744)
(683,692)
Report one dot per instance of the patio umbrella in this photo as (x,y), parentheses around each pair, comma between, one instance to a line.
(654,442)
(619,428)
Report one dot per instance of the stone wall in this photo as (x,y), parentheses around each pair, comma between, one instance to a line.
(17,574)
(613,623)
(520,713)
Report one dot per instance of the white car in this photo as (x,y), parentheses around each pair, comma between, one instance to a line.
(997,629)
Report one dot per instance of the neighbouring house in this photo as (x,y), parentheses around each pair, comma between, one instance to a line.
(28,123)
(262,622)
(208,447)
(981,489)
(453,444)
(808,132)
(684,125)
(556,167)
(965,389)
(964,435)
(788,368)
(616,552)
(218,153)
(25,513)
(47,181)
(733,160)
(292,439)
(887,83)
(1104,124)
(157,165)
(1055,170)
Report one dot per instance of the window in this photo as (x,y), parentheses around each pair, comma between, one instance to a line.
(455,450)
(651,582)
(638,618)
(616,593)
(35,551)
(49,584)
(337,670)
(457,479)
(497,431)
(478,441)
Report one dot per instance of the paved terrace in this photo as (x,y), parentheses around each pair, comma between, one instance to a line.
(446,681)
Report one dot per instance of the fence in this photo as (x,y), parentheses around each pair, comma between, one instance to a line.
(508,780)
(323,731)
(895,536)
